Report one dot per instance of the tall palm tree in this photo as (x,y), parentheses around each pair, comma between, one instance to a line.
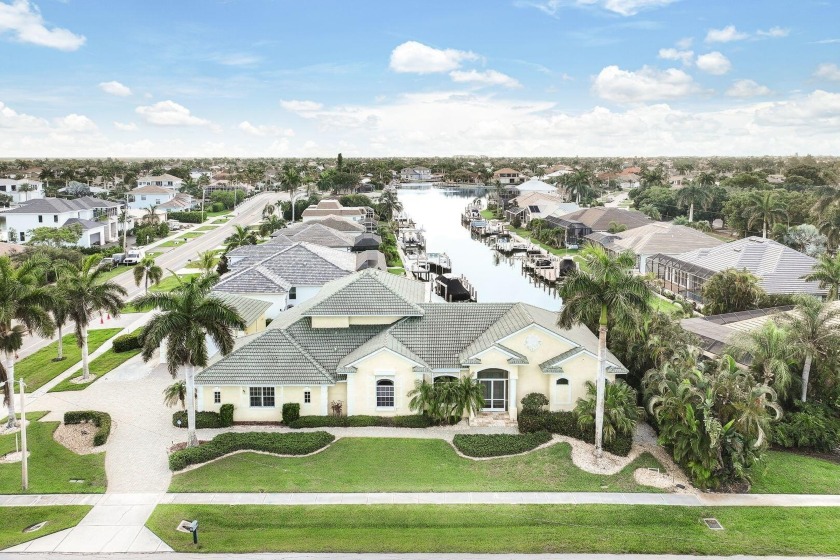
(652,177)
(389,204)
(602,290)
(187,316)
(813,329)
(241,236)
(770,351)
(146,270)
(271,224)
(207,262)
(694,194)
(23,310)
(578,183)
(766,208)
(175,393)
(151,216)
(291,179)
(707,179)
(827,273)
(830,227)
(87,294)
(58,307)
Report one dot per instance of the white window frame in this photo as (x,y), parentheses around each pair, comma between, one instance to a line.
(262,396)
(217,396)
(392,379)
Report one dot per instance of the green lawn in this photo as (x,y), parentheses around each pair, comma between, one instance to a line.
(790,473)
(526,234)
(170,283)
(114,272)
(98,367)
(398,270)
(39,368)
(488,214)
(206,228)
(154,254)
(413,465)
(13,520)
(217,214)
(51,465)
(177,242)
(190,235)
(502,529)
(664,305)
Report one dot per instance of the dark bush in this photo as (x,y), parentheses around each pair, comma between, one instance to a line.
(206,419)
(565,423)
(362,421)
(127,342)
(102,421)
(812,427)
(217,207)
(226,415)
(291,412)
(497,445)
(187,217)
(534,402)
(222,444)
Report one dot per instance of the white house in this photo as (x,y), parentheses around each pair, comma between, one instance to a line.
(99,219)
(11,187)
(166,180)
(164,199)
(508,176)
(416,174)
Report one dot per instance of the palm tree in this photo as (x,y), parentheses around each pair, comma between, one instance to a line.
(123,220)
(268,210)
(291,179)
(188,315)
(813,329)
(175,393)
(87,295)
(146,270)
(389,204)
(241,236)
(602,289)
(764,207)
(769,350)
(830,227)
(827,273)
(652,177)
(271,224)
(151,216)
(694,194)
(23,305)
(622,412)
(707,179)
(59,310)
(207,262)
(578,183)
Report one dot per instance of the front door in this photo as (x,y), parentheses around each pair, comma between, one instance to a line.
(494,386)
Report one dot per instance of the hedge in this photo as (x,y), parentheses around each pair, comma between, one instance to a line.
(187,217)
(206,419)
(222,444)
(226,415)
(127,342)
(362,421)
(291,412)
(102,421)
(565,423)
(497,445)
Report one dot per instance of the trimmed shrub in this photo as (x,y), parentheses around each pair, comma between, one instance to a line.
(291,412)
(362,421)
(222,444)
(127,342)
(206,419)
(226,415)
(812,427)
(102,421)
(187,217)
(565,423)
(534,402)
(217,207)
(497,445)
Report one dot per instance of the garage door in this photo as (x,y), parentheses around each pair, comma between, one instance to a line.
(96,238)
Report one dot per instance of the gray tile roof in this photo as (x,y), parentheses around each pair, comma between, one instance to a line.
(551,366)
(370,259)
(86,224)
(371,292)
(249,309)
(322,235)
(600,217)
(59,205)
(658,237)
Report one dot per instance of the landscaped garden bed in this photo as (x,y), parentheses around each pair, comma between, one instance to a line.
(361,421)
(498,445)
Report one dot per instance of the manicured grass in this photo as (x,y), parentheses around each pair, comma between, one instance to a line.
(217,214)
(13,520)
(39,368)
(98,367)
(488,214)
(154,254)
(502,529)
(398,270)
(170,283)
(526,234)
(206,228)
(51,465)
(190,235)
(664,305)
(131,308)
(177,242)
(790,473)
(114,272)
(413,465)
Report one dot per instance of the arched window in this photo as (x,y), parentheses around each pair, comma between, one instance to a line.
(385,393)
(562,381)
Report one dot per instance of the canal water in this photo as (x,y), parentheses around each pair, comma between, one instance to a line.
(494,277)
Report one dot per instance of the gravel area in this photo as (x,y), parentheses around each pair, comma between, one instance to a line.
(78,438)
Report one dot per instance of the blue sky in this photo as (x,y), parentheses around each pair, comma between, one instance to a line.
(516,77)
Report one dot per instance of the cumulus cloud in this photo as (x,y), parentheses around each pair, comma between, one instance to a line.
(647,84)
(417,58)
(686,57)
(828,71)
(24,22)
(115,88)
(11,119)
(622,7)
(127,127)
(821,109)
(169,113)
(747,88)
(725,35)
(487,78)
(76,123)
(714,63)
(264,130)
(774,32)
(300,106)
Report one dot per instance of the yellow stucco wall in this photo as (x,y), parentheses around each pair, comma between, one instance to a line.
(244,412)
(256,326)
(361,386)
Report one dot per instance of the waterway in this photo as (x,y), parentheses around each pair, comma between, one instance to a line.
(495,277)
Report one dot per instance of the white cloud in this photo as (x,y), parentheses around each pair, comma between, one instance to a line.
(826,42)
(264,130)
(714,63)
(169,113)
(725,35)
(76,123)
(236,59)
(622,7)
(488,78)
(115,88)
(747,88)
(23,20)
(828,71)
(648,84)
(299,106)
(127,127)
(418,58)
(686,57)
(820,109)
(11,119)
(685,43)
(774,32)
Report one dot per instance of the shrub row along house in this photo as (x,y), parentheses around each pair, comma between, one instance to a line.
(364,341)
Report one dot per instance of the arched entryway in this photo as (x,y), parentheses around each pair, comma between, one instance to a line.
(494,383)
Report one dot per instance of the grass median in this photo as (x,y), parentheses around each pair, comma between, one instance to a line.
(498,529)
(13,520)
(791,473)
(98,367)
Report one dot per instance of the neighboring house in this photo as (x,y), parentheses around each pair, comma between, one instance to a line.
(337,223)
(284,274)
(196,174)
(181,202)
(534,185)
(533,205)
(98,218)
(508,176)
(145,197)
(656,238)
(227,186)
(558,171)
(415,174)
(11,187)
(333,209)
(580,223)
(779,268)
(251,310)
(321,235)
(166,180)
(366,340)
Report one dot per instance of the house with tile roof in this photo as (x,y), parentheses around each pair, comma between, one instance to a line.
(366,339)
(166,180)
(580,223)
(98,219)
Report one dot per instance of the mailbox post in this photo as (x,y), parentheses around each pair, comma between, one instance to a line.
(194,531)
